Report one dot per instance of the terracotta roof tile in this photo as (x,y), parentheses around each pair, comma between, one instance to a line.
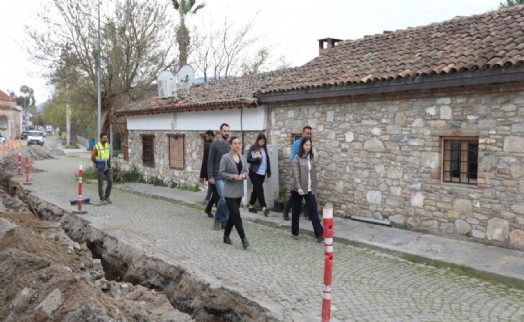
(221,94)
(491,40)
(5,97)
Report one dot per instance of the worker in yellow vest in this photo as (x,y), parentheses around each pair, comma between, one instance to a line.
(101,157)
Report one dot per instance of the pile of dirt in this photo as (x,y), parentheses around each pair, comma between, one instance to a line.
(47,276)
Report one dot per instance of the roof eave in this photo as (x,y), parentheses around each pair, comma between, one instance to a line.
(437,81)
(190,108)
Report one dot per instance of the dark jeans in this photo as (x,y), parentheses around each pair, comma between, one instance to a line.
(289,204)
(258,189)
(214,198)
(101,176)
(233,205)
(311,203)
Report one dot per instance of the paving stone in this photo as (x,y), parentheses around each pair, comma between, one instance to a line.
(279,271)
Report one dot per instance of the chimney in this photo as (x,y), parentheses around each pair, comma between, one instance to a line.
(326,43)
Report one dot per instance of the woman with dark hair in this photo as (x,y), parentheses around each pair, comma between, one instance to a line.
(233,169)
(304,186)
(258,159)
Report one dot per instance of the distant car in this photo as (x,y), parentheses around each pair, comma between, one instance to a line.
(2,139)
(49,129)
(23,136)
(35,137)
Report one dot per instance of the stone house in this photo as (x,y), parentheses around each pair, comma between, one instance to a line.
(165,137)
(10,117)
(423,126)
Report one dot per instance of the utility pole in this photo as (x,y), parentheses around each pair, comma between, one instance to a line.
(68,116)
(99,90)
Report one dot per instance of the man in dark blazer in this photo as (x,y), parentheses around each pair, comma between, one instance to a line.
(211,196)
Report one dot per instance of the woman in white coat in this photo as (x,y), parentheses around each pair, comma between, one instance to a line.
(233,169)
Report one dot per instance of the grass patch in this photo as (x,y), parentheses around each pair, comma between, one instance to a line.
(194,188)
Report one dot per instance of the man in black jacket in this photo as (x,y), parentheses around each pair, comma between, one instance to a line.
(209,137)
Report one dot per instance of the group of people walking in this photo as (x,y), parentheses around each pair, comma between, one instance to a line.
(225,168)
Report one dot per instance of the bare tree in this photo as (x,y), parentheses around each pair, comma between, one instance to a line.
(137,42)
(220,53)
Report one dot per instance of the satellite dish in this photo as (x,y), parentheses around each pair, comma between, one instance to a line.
(186,76)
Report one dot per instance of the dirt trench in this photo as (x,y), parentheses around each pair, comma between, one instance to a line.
(95,277)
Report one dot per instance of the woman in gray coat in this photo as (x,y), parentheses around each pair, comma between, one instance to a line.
(233,169)
(304,186)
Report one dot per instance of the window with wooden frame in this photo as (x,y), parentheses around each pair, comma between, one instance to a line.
(295,137)
(177,151)
(460,160)
(148,150)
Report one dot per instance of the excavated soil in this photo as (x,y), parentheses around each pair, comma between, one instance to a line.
(55,266)
(46,276)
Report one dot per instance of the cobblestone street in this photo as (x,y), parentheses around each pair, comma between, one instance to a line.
(280,272)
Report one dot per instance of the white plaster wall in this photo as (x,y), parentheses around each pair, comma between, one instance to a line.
(150,122)
(247,119)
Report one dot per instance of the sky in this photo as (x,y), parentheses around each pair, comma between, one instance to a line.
(290,28)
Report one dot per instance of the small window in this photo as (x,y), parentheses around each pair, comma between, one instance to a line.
(460,160)
(148,150)
(176,151)
(295,137)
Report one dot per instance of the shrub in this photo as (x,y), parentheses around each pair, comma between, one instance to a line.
(119,175)
(132,175)
(156,181)
(194,188)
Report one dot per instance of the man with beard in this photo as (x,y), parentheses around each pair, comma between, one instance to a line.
(217,149)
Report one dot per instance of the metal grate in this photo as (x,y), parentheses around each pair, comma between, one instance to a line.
(460,161)
(148,151)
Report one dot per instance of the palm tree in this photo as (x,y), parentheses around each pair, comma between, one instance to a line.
(184,7)
(510,3)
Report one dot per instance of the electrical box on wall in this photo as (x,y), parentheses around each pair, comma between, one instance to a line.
(271,185)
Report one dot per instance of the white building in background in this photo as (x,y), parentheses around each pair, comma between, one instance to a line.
(10,117)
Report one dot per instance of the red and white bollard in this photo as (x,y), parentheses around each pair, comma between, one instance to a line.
(79,203)
(327,215)
(19,163)
(27,171)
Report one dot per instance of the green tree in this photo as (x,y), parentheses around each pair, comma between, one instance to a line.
(26,100)
(137,41)
(261,63)
(184,7)
(253,67)
(510,3)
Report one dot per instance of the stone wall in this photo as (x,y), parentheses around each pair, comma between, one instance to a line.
(382,159)
(194,149)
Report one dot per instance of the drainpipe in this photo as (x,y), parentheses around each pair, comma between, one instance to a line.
(244,198)
(384,222)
